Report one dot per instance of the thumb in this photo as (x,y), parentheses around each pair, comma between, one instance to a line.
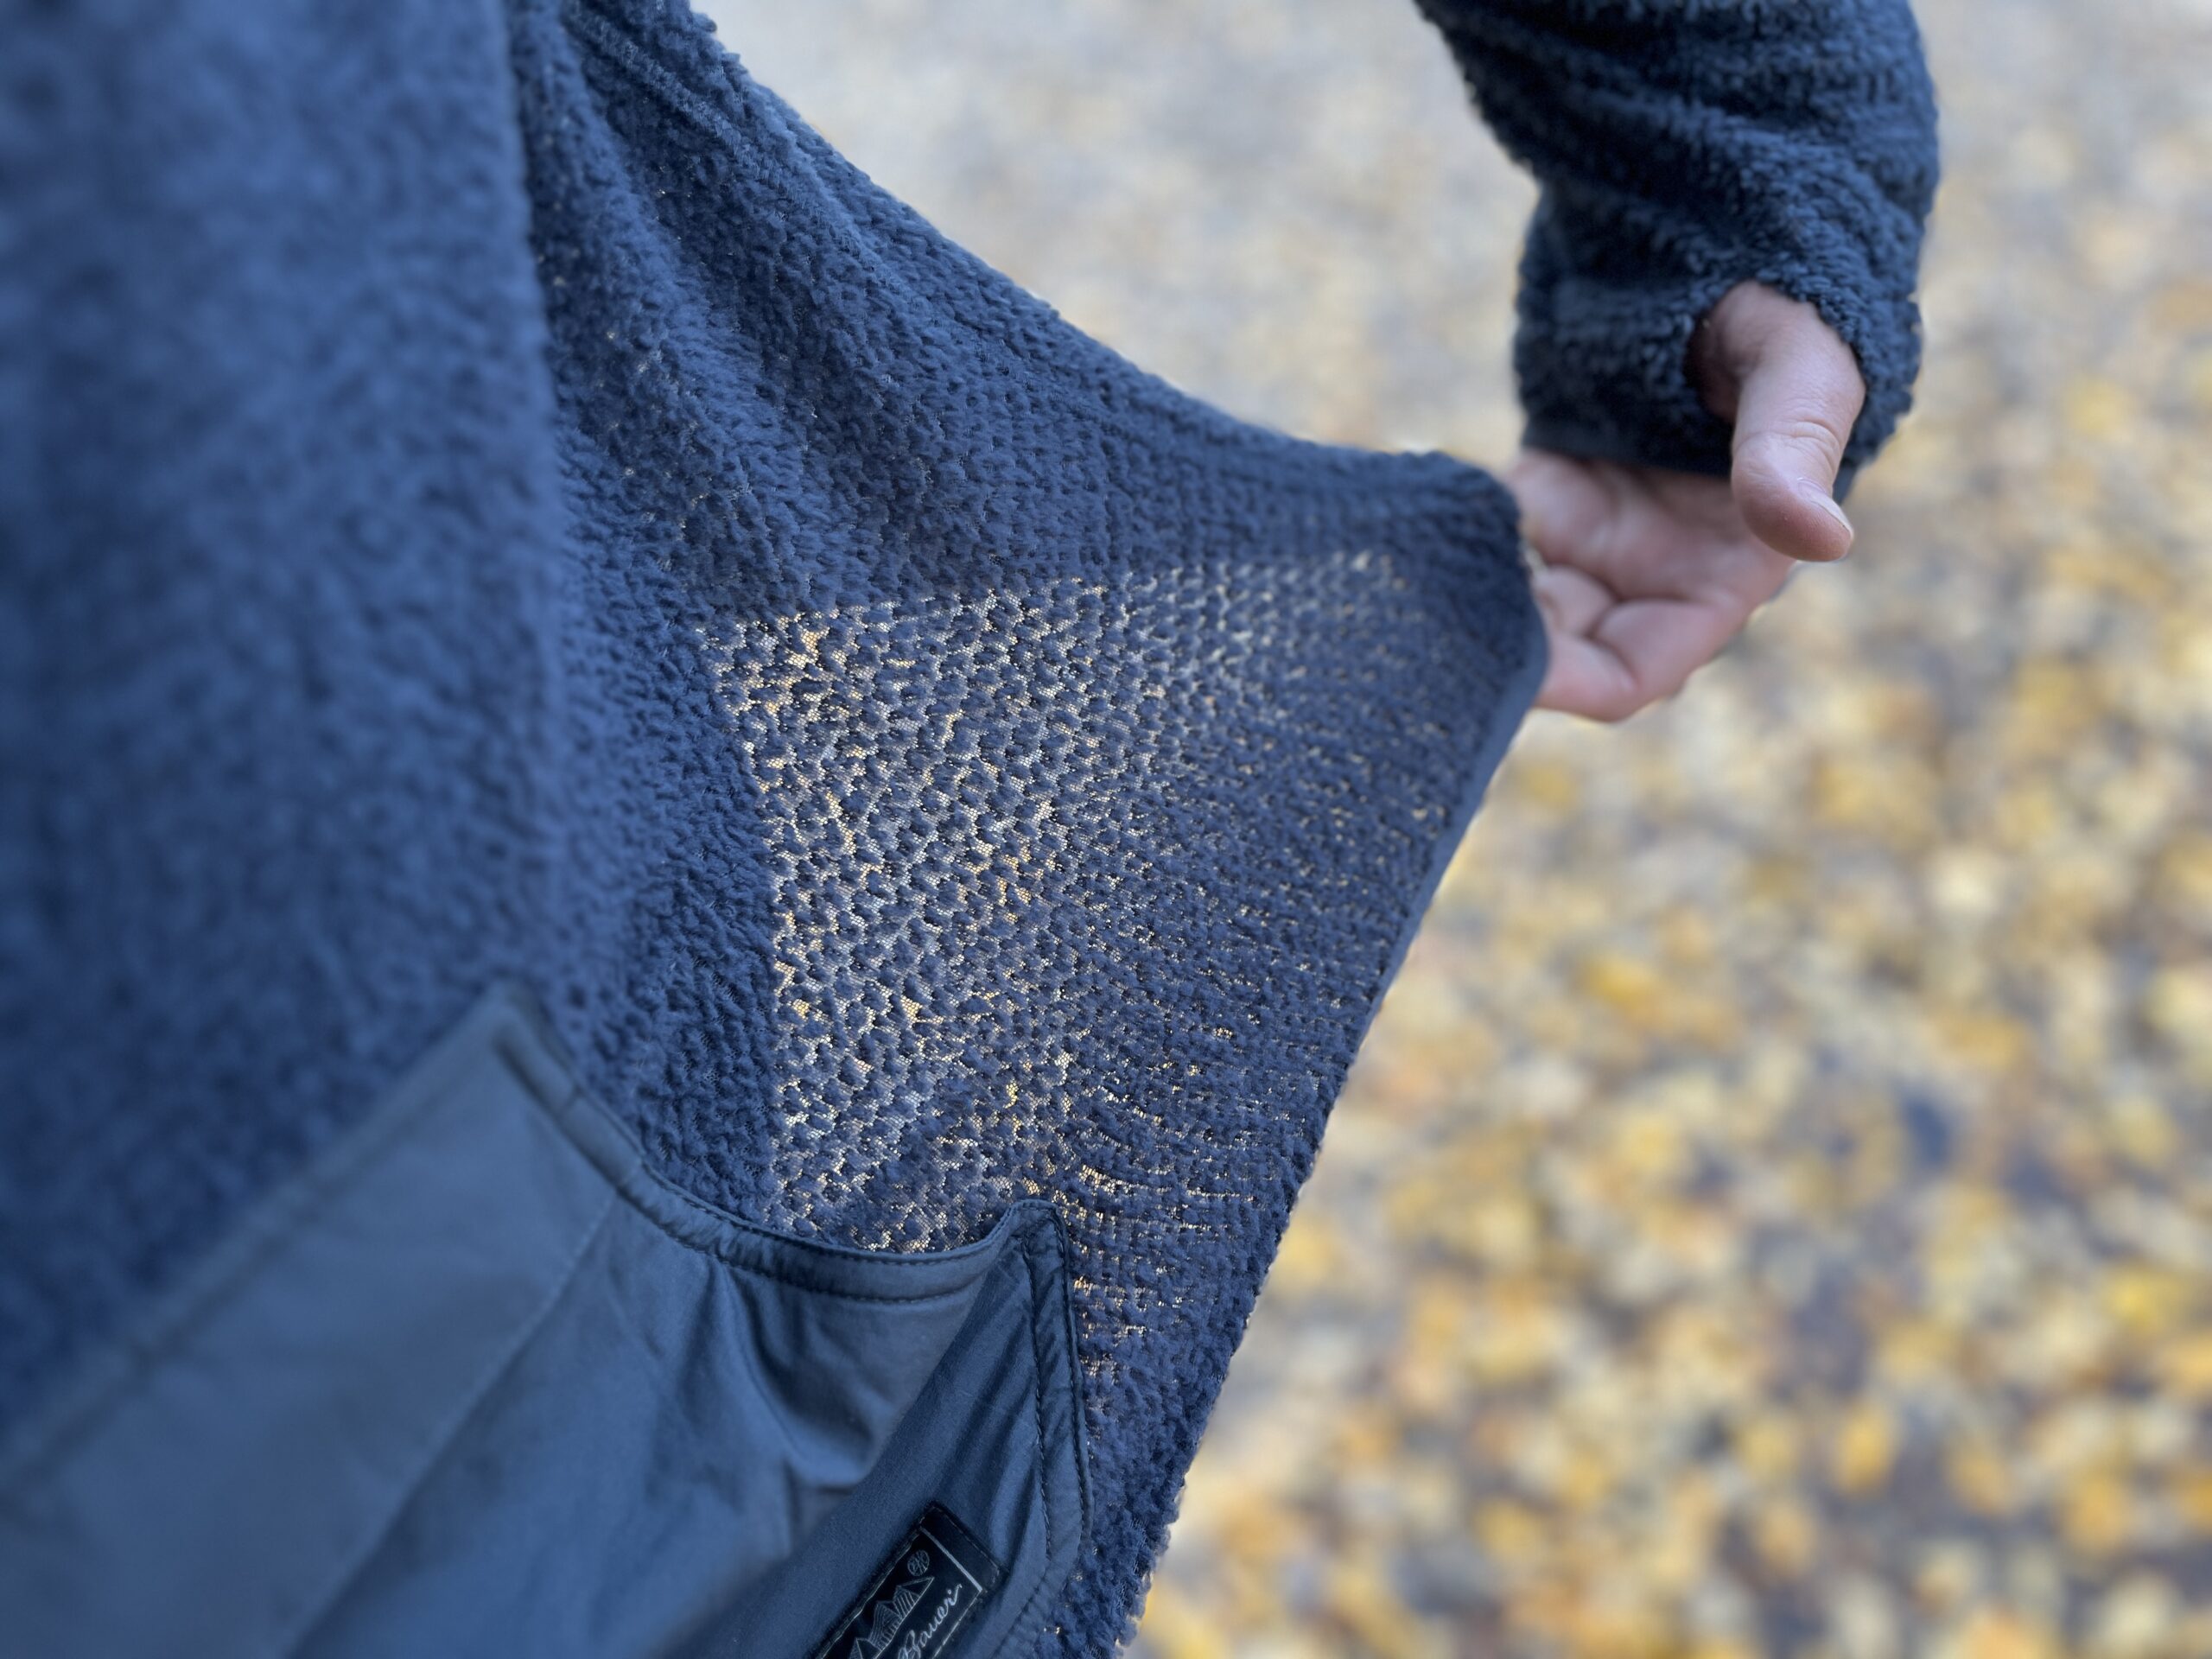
(1796,393)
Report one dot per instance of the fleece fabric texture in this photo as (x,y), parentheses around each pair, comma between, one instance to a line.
(485,492)
(1684,146)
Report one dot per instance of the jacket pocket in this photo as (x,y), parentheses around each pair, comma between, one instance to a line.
(478,1381)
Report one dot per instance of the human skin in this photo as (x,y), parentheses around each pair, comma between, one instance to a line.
(1647,573)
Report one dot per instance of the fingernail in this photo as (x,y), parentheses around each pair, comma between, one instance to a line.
(1826,503)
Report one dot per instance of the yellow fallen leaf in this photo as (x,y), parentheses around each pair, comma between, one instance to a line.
(1865,1449)
(2149,1301)
(2096,1514)
(1549,783)
(1509,1531)
(1177,1631)
(2097,408)
(1785,1535)
(1995,1634)
(1980,1477)
(1770,1445)
(1361,1596)
(2143,1129)
(2191,1495)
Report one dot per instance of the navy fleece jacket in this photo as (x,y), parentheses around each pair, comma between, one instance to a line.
(1684,146)
(485,492)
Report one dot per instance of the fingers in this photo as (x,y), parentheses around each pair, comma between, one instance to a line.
(1583,676)
(1610,658)
(1569,515)
(1796,392)
(1565,506)
(1645,577)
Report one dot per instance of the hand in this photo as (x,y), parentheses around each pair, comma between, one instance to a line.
(1647,573)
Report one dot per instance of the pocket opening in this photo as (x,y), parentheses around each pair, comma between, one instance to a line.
(483,1382)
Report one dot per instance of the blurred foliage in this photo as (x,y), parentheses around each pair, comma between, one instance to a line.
(1773,1213)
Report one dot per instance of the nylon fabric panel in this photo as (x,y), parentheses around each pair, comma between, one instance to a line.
(477,1384)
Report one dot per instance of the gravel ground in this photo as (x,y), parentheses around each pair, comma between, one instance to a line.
(1773,1214)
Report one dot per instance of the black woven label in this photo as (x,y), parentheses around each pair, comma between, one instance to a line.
(920,1598)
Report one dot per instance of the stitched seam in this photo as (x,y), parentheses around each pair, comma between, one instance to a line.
(1037,1408)
(637,1173)
(442,1441)
(887,1259)
(1065,1249)
(165,1329)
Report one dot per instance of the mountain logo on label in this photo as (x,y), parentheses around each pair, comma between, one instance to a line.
(922,1596)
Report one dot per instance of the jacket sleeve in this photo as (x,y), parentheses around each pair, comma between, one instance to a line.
(1684,146)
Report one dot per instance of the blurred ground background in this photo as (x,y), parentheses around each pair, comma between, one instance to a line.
(1773,1214)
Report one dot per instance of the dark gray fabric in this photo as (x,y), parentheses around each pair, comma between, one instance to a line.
(478,1383)
(486,491)
(1684,147)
